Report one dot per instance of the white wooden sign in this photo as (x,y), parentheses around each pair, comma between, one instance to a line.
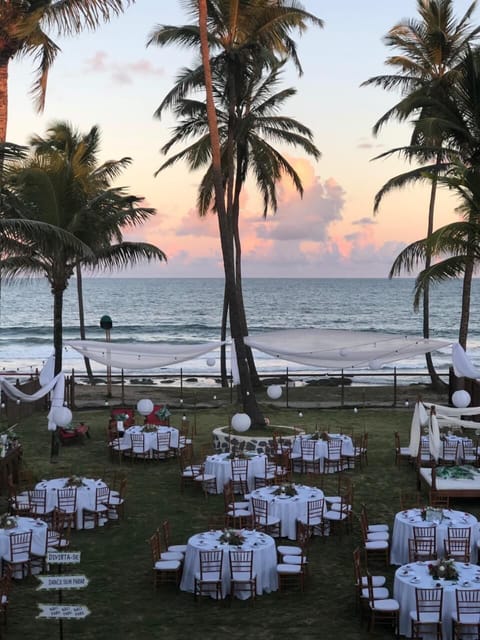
(63,611)
(62,582)
(63,557)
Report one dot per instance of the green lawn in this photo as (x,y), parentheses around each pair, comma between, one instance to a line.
(116,558)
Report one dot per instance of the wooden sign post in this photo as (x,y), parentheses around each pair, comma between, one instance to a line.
(59,582)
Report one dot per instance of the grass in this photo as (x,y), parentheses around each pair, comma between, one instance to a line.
(116,558)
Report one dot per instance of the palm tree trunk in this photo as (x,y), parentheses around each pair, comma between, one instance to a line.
(249,401)
(58,326)
(3,98)
(81,319)
(466,295)
(437,382)
(223,337)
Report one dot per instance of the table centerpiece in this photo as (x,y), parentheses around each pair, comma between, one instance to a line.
(443,569)
(287,489)
(75,481)
(8,521)
(232,537)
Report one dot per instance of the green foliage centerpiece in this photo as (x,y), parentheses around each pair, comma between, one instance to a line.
(8,521)
(287,489)
(150,428)
(443,569)
(74,481)
(232,537)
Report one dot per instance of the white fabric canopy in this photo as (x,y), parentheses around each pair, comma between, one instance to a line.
(462,366)
(338,349)
(140,355)
(434,441)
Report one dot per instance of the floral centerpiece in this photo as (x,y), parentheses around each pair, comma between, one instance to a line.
(150,428)
(7,521)
(443,569)
(285,490)
(432,514)
(232,537)
(122,417)
(74,481)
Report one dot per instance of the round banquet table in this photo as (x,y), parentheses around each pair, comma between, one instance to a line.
(287,508)
(406,520)
(220,465)
(85,497)
(39,537)
(411,576)
(264,560)
(151,436)
(321,447)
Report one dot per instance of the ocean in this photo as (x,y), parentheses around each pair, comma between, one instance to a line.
(188,311)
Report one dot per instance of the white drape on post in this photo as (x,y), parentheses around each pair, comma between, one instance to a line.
(434,435)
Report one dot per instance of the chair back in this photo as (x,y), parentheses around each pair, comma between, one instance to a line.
(67,499)
(211,562)
(260,511)
(241,563)
(449,450)
(425,533)
(20,545)
(163,439)
(239,468)
(155,548)
(166,533)
(307,447)
(457,549)
(421,549)
(138,442)
(334,448)
(101,496)
(468,605)
(38,501)
(459,533)
(429,601)
(315,510)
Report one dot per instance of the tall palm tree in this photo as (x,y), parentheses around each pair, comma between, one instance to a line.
(455,111)
(64,188)
(429,48)
(24,27)
(245,35)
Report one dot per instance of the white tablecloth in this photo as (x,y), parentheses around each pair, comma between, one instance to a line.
(264,560)
(288,509)
(406,520)
(39,536)
(220,465)
(85,496)
(321,447)
(151,436)
(414,575)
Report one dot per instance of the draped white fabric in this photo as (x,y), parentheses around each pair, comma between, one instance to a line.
(434,436)
(453,416)
(140,355)
(420,418)
(49,383)
(338,349)
(462,366)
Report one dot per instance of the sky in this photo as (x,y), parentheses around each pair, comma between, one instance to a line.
(110,78)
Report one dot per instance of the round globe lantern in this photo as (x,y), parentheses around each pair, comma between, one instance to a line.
(62,416)
(211,362)
(274,391)
(241,422)
(461,399)
(144,407)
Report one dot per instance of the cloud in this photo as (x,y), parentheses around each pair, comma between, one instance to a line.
(121,73)
(365,221)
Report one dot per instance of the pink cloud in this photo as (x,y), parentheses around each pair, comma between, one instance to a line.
(122,73)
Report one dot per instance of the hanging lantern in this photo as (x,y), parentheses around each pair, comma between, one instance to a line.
(62,416)
(461,399)
(211,362)
(241,422)
(144,407)
(274,391)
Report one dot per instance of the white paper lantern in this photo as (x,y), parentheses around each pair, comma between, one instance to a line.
(62,416)
(274,391)
(461,399)
(211,362)
(144,407)
(241,422)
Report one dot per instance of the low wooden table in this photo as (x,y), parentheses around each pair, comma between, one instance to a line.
(80,432)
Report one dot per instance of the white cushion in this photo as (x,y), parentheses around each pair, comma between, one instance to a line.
(377,581)
(289,568)
(167,565)
(171,555)
(388,604)
(379,593)
(424,617)
(284,549)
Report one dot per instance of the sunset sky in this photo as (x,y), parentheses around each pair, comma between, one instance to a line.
(110,79)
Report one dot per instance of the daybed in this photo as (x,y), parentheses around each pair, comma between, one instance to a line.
(451,487)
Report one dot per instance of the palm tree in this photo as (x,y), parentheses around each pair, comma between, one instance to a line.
(430,50)
(453,110)
(64,188)
(24,26)
(247,35)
